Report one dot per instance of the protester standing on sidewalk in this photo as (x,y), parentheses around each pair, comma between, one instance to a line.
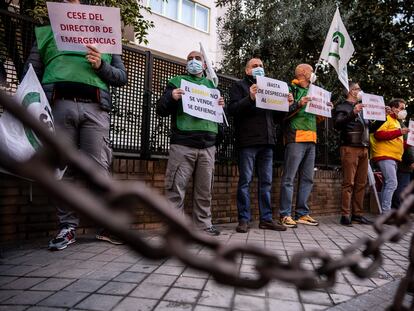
(404,170)
(387,148)
(192,150)
(255,139)
(354,155)
(300,144)
(77,87)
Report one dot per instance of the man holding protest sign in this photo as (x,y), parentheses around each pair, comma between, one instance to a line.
(300,145)
(77,86)
(195,107)
(387,148)
(354,155)
(255,138)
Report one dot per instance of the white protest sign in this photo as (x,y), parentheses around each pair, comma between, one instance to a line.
(272,94)
(201,102)
(410,137)
(75,26)
(373,107)
(319,99)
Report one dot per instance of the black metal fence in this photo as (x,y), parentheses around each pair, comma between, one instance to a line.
(136,130)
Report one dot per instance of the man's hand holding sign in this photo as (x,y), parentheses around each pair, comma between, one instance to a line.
(318,101)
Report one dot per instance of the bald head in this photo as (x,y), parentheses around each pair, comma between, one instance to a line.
(195,55)
(303,69)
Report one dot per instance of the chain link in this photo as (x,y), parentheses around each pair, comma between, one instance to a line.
(224,264)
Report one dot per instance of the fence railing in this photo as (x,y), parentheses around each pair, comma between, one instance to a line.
(136,130)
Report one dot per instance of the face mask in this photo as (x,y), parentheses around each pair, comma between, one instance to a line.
(258,72)
(402,115)
(194,66)
(313,78)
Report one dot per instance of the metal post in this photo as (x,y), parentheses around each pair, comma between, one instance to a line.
(146,108)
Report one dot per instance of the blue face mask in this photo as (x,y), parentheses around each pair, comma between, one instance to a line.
(194,66)
(258,71)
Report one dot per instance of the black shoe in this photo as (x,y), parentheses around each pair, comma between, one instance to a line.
(271,225)
(345,221)
(361,220)
(212,231)
(242,227)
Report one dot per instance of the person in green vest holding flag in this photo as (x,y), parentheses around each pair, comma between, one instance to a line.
(193,146)
(77,87)
(300,145)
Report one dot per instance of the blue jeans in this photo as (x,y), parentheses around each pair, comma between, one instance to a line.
(403,179)
(262,157)
(389,173)
(298,157)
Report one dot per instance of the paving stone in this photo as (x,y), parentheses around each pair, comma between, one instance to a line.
(173,305)
(19,270)
(6,279)
(169,270)
(362,289)
(28,298)
(6,294)
(149,290)
(276,304)
(117,288)
(282,293)
(23,283)
(216,295)
(187,282)
(337,298)
(182,295)
(85,285)
(143,268)
(42,308)
(161,279)
(313,307)
(64,299)
(249,303)
(132,277)
(313,296)
(13,308)
(53,284)
(136,304)
(102,274)
(206,308)
(98,302)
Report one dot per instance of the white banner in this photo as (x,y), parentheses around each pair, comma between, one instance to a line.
(272,94)
(410,137)
(201,102)
(373,107)
(17,140)
(319,100)
(338,48)
(75,26)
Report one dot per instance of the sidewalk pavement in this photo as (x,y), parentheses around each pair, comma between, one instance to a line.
(95,275)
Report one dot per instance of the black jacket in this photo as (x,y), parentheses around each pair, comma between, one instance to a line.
(253,126)
(354,130)
(167,106)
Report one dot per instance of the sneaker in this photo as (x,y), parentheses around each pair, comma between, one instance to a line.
(242,227)
(287,221)
(65,237)
(361,220)
(107,237)
(271,225)
(212,231)
(307,220)
(345,221)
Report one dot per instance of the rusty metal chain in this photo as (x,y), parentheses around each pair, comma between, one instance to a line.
(224,265)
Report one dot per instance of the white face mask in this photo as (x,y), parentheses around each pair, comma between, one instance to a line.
(402,114)
(313,78)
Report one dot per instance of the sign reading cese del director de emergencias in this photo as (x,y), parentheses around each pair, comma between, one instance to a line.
(75,26)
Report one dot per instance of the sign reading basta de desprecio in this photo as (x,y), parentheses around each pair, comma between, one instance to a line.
(76,25)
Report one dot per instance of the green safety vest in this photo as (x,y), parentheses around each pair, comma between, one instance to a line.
(302,120)
(185,122)
(66,66)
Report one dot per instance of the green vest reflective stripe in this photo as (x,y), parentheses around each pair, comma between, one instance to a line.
(302,120)
(66,66)
(185,122)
